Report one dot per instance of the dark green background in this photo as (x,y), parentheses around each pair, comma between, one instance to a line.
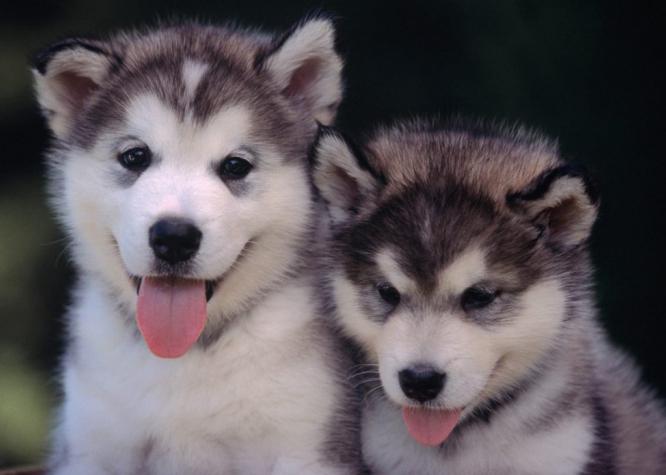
(585,72)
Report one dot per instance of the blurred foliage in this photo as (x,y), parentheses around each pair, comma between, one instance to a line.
(27,244)
(24,412)
(584,72)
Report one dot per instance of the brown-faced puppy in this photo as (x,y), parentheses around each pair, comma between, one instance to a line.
(461,268)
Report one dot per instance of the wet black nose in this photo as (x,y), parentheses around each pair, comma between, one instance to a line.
(421,382)
(174,239)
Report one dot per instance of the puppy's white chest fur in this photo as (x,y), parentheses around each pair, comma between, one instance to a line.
(237,404)
(499,448)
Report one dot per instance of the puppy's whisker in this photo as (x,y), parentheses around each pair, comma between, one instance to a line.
(372,392)
(356,375)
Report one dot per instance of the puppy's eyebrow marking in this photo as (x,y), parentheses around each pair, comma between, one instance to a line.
(246,152)
(466,269)
(118,143)
(390,269)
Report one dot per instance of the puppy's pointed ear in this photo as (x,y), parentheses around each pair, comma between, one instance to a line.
(66,75)
(306,68)
(343,175)
(562,203)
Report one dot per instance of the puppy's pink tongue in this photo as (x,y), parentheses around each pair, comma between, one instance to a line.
(429,427)
(171,314)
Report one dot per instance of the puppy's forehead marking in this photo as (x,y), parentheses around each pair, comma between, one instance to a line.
(390,269)
(466,269)
(159,125)
(192,72)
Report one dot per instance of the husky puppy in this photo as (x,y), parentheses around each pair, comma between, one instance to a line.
(461,268)
(179,169)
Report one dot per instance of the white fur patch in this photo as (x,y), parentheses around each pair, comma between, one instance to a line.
(467,352)
(444,341)
(467,269)
(192,73)
(349,311)
(530,334)
(391,270)
(202,413)
(182,183)
(503,448)
(185,141)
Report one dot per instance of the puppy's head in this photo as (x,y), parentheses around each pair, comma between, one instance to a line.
(180,162)
(454,257)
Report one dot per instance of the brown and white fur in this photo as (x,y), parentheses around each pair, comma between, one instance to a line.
(464,249)
(143,124)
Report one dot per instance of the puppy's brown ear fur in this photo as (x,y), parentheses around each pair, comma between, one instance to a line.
(562,202)
(66,74)
(306,68)
(343,175)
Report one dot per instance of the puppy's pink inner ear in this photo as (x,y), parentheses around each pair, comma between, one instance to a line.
(74,88)
(303,77)
(348,186)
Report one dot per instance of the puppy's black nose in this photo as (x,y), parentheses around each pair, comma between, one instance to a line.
(174,239)
(421,382)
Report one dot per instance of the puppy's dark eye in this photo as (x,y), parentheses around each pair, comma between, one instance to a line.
(389,294)
(477,297)
(135,159)
(234,168)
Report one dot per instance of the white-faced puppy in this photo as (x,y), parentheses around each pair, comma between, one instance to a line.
(179,170)
(460,266)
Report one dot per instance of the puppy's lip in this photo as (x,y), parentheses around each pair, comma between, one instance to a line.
(432,407)
(211,284)
(485,394)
